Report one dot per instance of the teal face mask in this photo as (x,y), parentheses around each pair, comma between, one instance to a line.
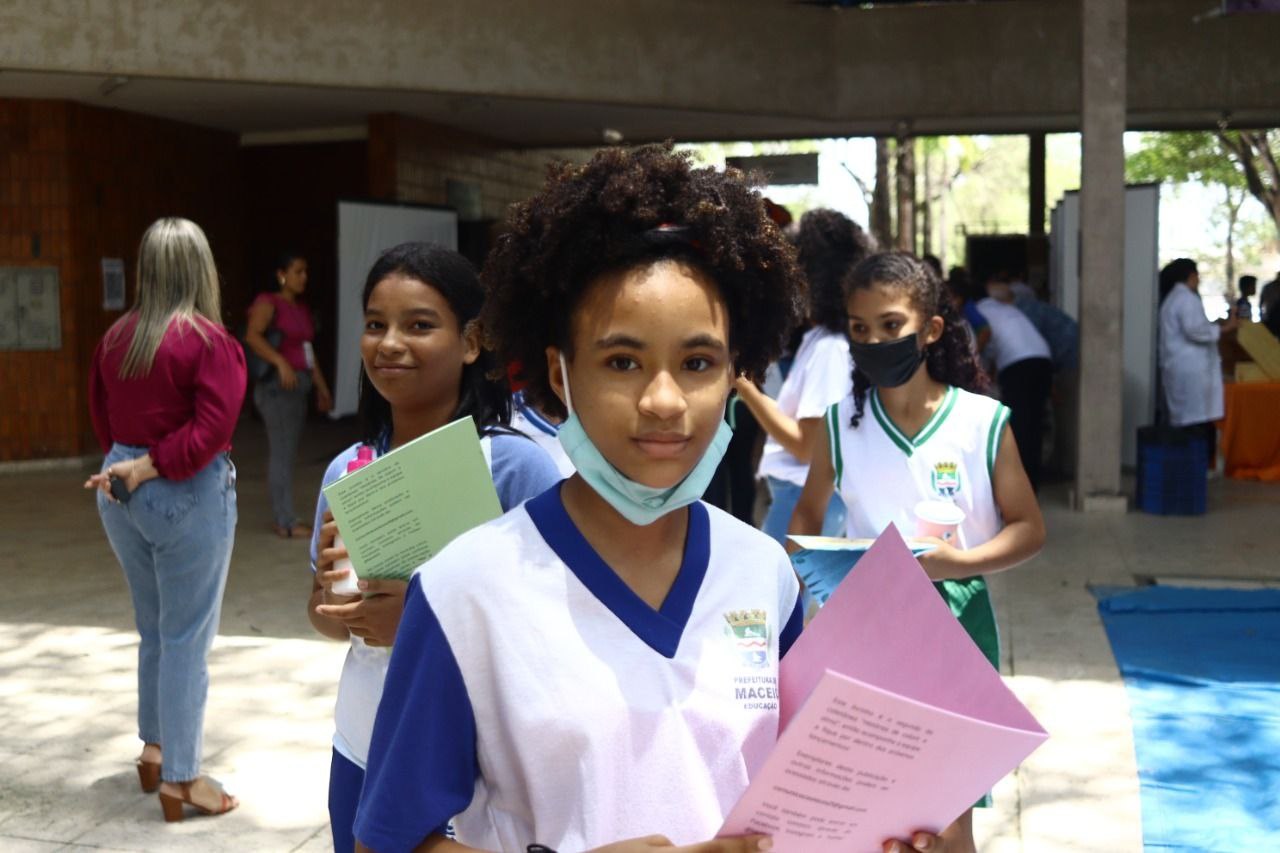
(640,504)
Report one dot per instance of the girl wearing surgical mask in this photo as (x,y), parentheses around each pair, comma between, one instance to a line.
(913,432)
(600,664)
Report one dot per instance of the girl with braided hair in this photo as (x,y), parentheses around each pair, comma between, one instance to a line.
(828,244)
(926,437)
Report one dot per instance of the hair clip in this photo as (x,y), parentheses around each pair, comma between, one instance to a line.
(669,232)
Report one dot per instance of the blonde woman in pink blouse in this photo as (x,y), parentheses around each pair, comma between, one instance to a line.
(165,389)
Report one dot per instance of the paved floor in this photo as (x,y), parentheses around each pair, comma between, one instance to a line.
(67,656)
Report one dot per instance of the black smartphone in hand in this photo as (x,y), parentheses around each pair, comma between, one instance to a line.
(119,490)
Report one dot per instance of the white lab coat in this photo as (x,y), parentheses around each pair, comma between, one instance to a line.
(1190,369)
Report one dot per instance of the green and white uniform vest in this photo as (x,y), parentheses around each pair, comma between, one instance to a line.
(882,473)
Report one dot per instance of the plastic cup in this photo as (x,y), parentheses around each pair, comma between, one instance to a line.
(939,518)
(347,585)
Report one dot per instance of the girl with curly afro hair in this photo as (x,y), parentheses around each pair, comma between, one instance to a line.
(932,456)
(829,244)
(601,663)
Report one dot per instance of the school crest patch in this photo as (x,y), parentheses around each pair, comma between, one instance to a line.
(748,630)
(945,479)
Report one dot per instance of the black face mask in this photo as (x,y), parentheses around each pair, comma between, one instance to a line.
(888,364)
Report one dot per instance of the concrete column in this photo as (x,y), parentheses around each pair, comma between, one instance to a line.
(1103,59)
(1036,193)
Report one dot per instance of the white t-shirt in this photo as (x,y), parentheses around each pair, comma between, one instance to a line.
(821,374)
(881,473)
(533,697)
(528,420)
(1014,338)
(520,470)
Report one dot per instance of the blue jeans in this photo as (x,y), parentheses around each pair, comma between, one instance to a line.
(173,540)
(785,497)
(284,413)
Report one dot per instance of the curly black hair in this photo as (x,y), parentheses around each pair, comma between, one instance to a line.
(950,359)
(829,245)
(483,392)
(628,208)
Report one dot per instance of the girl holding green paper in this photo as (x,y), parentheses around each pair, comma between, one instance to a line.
(601,663)
(422,368)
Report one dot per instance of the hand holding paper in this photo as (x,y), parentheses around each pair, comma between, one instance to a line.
(892,719)
(399,511)
(823,561)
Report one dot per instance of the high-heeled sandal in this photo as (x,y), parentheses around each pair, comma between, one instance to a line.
(173,807)
(297,530)
(149,776)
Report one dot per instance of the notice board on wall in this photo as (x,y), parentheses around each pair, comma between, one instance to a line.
(113,284)
(30,309)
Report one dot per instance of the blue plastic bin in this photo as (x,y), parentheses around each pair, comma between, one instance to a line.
(1172,474)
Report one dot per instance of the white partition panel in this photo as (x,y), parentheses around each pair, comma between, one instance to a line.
(1065,251)
(1141,272)
(365,230)
(1141,266)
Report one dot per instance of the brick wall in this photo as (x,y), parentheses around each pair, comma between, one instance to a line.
(85,183)
(35,208)
(412,160)
(80,183)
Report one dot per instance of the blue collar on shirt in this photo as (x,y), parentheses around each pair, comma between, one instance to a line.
(659,629)
(535,417)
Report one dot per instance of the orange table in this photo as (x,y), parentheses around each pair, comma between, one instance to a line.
(1251,431)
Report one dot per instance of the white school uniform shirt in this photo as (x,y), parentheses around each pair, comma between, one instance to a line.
(1014,338)
(533,697)
(881,473)
(520,470)
(531,422)
(1190,367)
(821,374)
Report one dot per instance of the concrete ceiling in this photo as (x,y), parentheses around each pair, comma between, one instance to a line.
(560,74)
(273,113)
(270,112)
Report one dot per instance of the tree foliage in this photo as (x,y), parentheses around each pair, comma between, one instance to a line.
(1181,158)
(1243,160)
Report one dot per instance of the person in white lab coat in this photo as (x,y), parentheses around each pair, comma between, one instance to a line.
(1190,368)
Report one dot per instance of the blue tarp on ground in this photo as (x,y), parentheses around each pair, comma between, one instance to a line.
(1202,672)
